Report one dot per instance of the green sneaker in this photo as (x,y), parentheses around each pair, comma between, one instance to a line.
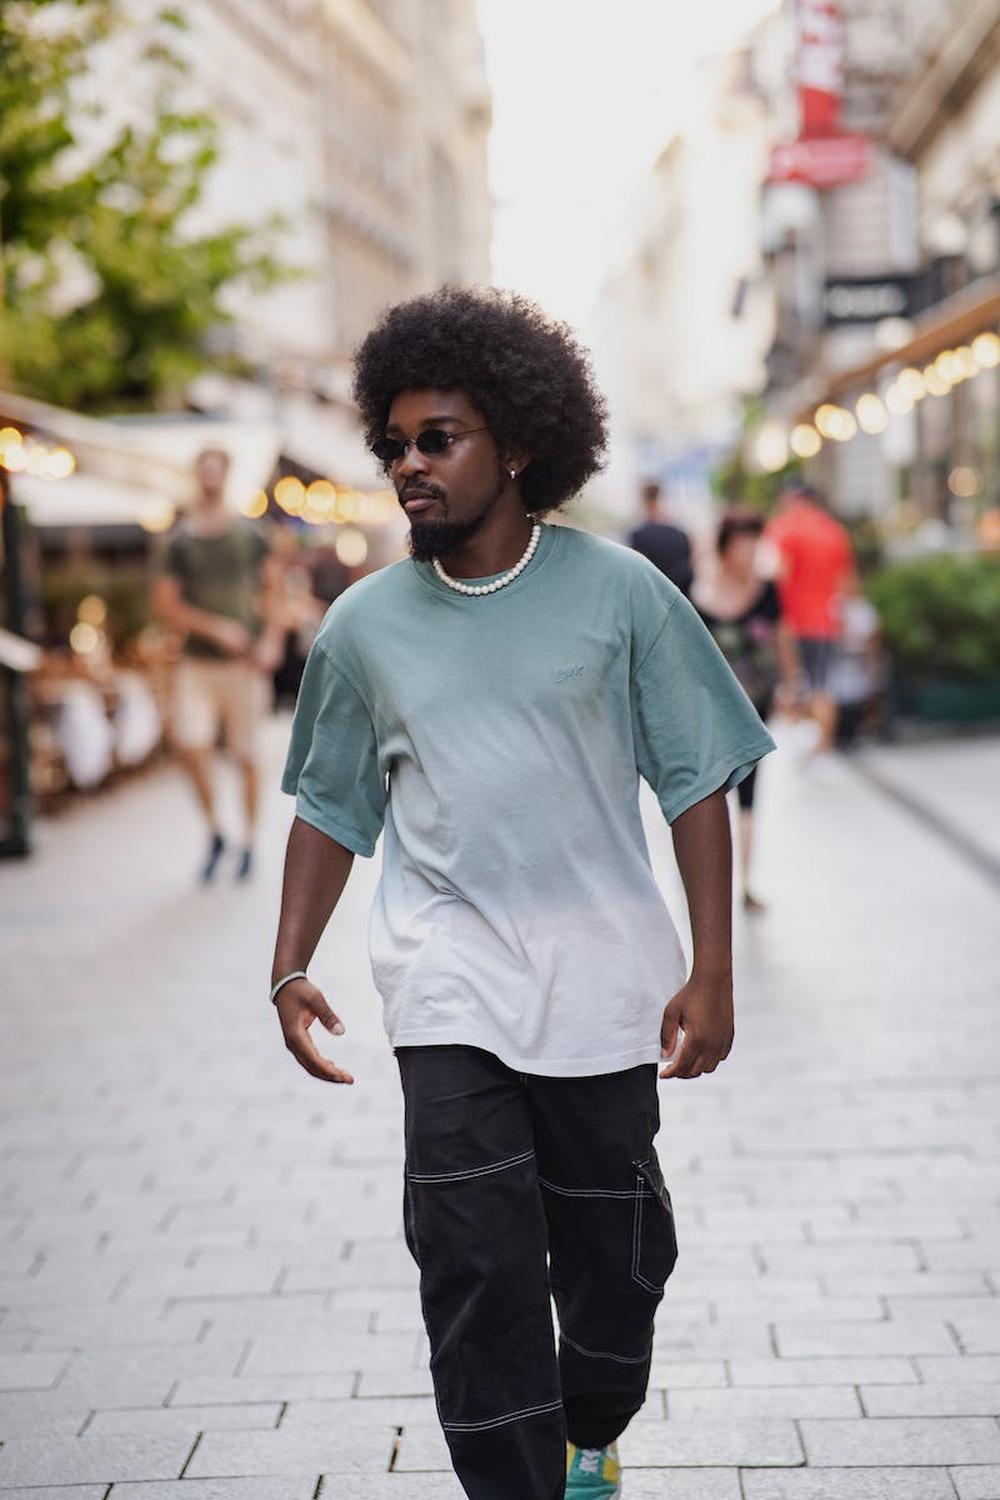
(593,1473)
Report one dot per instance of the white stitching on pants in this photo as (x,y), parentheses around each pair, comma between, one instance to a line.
(589,1192)
(513,1416)
(637,1232)
(497,1166)
(621,1359)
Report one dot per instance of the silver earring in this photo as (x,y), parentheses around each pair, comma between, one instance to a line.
(513,473)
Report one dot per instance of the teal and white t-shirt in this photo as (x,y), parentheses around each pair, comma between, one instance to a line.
(499,740)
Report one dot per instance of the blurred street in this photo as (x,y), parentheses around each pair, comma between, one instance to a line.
(206,1286)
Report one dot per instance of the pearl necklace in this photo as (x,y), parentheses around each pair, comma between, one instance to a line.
(498,583)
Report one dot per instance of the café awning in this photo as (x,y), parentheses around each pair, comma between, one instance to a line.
(954,321)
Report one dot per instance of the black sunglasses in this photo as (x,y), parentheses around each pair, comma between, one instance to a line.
(432,441)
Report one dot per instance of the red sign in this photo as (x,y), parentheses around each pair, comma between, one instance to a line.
(820,67)
(826,162)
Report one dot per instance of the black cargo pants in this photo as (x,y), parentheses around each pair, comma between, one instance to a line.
(518,1188)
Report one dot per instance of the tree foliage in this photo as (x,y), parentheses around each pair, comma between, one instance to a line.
(110,297)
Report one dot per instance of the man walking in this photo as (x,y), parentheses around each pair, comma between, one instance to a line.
(212,588)
(667,547)
(492,703)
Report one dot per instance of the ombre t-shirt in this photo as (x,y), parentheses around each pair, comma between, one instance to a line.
(499,741)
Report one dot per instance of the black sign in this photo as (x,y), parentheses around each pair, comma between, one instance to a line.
(867,299)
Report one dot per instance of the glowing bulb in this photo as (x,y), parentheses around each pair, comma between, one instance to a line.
(871,414)
(92,610)
(911,383)
(935,383)
(805,441)
(159,518)
(290,493)
(965,482)
(254,505)
(898,400)
(84,638)
(985,351)
(352,547)
(321,502)
(59,463)
(826,419)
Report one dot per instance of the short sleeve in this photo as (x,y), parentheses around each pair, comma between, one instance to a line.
(694,728)
(168,557)
(332,769)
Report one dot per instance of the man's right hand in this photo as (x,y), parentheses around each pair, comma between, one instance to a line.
(299,1004)
(234,638)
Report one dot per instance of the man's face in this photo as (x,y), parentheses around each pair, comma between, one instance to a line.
(446,495)
(211,472)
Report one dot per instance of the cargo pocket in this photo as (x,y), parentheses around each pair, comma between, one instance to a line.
(654,1242)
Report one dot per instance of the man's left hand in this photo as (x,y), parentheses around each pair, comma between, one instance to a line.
(701,1015)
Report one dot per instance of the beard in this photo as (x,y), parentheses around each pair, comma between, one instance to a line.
(430,539)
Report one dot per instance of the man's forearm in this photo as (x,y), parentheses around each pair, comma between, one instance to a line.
(188,619)
(703,846)
(316,871)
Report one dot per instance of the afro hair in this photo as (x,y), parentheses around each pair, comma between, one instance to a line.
(525,372)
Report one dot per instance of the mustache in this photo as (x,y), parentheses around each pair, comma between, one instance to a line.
(420,487)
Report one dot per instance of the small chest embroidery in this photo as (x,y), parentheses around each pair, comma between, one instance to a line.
(565,673)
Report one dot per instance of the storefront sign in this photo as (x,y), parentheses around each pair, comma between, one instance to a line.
(820,67)
(867,299)
(826,162)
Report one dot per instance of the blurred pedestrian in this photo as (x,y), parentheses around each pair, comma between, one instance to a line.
(494,700)
(856,673)
(667,546)
(743,612)
(815,567)
(213,588)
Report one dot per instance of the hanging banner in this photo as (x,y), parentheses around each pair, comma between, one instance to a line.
(820,66)
(827,162)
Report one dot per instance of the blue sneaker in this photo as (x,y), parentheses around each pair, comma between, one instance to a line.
(593,1473)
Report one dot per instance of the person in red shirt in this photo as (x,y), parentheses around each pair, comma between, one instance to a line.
(815,567)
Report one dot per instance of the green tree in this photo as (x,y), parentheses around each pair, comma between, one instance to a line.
(109,300)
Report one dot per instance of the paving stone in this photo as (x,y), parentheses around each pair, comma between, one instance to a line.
(389,1382)
(890,1440)
(391,1487)
(213,1390)
(223,1454)
(894,1336)
(288,1487)
(58,1492)
(341,1349)
(980,1482)
(184,1419)
(931,1400)
(21,1372)
(688,1443)
(685,1374)
(39,1461)
(960,1369)
(762,1401)
(870,1371)
(379,1411)
(846,1484)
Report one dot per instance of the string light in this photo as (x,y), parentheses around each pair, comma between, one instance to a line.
(871,414)
(805,441)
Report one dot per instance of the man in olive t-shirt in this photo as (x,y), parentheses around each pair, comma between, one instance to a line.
(211,588)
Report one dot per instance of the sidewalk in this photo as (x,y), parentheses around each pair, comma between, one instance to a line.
(206,1292)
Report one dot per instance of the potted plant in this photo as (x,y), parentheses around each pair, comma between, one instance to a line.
(941,620)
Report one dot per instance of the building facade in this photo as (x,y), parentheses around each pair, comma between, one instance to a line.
(360,128)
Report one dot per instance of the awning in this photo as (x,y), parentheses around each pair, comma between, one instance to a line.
(956,320)
(327,439)
(129,468)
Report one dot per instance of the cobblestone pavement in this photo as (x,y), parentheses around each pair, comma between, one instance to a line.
(205,1291)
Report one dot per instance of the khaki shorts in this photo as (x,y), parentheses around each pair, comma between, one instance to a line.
(209,695)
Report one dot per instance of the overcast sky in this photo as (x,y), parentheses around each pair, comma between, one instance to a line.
(585,93)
